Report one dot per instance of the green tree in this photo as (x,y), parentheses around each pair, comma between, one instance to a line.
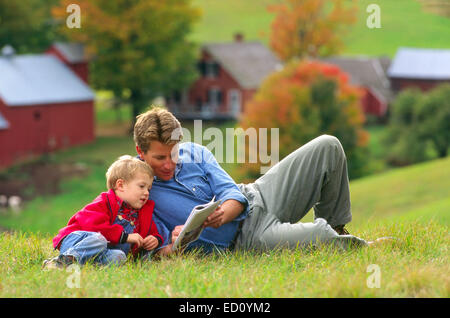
(140,46)
(28,26)
(419,126)
(434,116)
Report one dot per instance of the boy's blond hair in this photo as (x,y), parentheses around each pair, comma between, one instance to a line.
(125,168)
(157,124)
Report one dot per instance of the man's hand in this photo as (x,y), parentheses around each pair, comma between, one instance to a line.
(150,243)
(176,232)
(225,213)
(215,219)
(135,238)
(167,250)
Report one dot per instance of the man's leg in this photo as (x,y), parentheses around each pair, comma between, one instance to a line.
(272,234)
(315,175)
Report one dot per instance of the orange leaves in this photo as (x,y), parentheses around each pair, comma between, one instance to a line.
(309,27)
(303,103)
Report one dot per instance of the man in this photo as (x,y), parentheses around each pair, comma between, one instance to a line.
(263,215)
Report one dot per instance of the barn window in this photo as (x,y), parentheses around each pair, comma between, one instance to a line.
(37,115)
(214,97)
(208,68)
(212,69)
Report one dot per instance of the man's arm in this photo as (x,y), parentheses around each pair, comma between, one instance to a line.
(225,213)
(225,189)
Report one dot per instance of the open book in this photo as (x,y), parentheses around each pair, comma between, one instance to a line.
(193,226)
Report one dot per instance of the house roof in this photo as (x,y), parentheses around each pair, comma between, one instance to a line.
(248,62)
(419,63)
(4,124)
(366,72)
(72,52)
(39,79)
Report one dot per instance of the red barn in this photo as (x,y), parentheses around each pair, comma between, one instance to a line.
(74,56)
(44,106)
(419,68)
(369,74)
(230,73)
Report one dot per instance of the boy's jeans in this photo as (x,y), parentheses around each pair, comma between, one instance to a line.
(86,246)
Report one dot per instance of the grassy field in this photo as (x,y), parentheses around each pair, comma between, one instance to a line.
(411,204)
(416,267)
(403,23)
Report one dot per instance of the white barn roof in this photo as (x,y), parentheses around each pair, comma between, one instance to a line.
(39,79)
(73,52)
(416,63)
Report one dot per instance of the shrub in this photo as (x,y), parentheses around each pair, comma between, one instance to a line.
(419,127)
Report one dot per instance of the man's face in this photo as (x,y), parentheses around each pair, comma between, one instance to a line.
(162,158)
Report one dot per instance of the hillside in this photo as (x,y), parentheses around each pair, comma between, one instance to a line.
(421,191)
(403,23)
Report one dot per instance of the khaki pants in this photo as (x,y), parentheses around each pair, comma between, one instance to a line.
(313,176)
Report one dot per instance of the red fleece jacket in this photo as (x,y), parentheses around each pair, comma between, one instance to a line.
(99,216)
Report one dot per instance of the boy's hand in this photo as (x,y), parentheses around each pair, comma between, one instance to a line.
(135,238)
(150,243)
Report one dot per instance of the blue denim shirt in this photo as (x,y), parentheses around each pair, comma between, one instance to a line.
(198,177)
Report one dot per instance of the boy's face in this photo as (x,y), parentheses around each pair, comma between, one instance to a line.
(162,158)
(135,192)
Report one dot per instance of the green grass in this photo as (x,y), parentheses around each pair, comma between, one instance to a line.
(417,266)
(403,23)
(424,187)
(222,19)
(411,204)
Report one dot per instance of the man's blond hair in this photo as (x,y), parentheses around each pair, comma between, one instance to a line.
(157,124)
(126,168)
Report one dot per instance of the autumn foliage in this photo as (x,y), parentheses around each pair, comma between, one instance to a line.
(305,100)
(310,27)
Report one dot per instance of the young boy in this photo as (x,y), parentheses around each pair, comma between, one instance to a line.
(115,223)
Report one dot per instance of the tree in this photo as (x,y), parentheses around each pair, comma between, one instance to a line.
(310,27)
(304,100)
(435,119)
(419,124)
(27,26)
(140,46)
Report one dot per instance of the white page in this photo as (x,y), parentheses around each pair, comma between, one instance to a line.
(193,226)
